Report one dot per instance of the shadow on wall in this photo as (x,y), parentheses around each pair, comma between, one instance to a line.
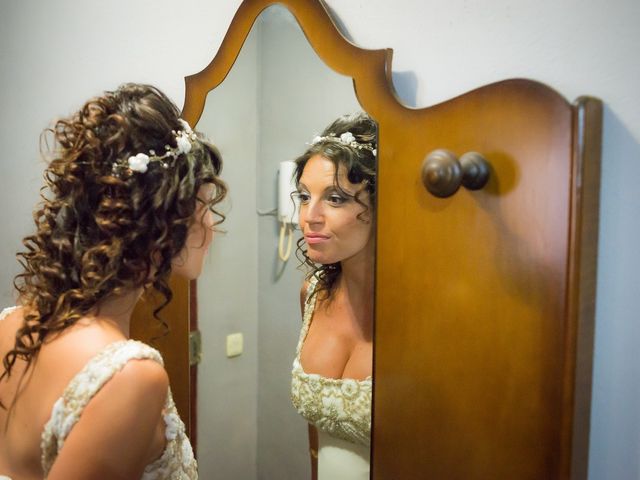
(615,421)
(406,86)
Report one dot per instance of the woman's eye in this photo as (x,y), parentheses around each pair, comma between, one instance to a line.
(336,199)
(303,197)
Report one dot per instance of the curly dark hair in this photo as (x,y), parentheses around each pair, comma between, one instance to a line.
(360,167)
(101,231)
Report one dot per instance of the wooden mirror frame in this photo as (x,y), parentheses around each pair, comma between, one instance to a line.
(371,74)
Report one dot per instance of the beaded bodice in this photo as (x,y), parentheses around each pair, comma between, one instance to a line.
(338,406)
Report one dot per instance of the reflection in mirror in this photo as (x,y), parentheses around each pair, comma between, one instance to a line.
(332,381)
(276,99)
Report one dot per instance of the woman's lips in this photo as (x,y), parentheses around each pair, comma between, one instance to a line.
(314,238)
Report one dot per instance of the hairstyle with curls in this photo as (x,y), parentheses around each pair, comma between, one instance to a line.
(360,168)
(99,234)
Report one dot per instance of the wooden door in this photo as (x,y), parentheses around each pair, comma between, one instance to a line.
(484,300)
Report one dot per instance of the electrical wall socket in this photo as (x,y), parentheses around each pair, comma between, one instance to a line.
(234,344)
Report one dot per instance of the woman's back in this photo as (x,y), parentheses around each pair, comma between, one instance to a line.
(59,361)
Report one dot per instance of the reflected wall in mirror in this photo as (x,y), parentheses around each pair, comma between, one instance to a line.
(278,96)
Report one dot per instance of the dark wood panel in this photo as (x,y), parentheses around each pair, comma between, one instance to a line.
(473,303)
(174,344)
(587,146)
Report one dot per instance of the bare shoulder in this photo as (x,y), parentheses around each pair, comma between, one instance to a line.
(303,294)
(303,290)
(138,389)
(121,428)
(11,320)
(140,385)
(143,376)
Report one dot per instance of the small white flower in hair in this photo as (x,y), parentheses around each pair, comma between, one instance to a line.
(139,162)
(347,138)
(185,126)
(183,144)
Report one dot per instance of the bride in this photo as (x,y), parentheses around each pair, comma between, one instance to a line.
(332,369)
(128,199)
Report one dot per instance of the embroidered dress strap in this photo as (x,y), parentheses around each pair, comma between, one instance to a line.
(68,408)
(308,313)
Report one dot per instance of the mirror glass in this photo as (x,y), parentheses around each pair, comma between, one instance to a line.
(278,96)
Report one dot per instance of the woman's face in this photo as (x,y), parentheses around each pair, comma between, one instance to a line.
(189,262)
(329,218)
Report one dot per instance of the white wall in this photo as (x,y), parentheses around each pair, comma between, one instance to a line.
(53,55)
(227,288)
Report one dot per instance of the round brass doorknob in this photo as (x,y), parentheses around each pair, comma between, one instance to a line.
(443,172)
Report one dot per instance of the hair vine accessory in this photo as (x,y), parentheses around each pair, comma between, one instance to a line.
(347,139)
(140,162)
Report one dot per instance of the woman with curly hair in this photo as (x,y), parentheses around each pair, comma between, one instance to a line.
(331,377)
(128,199)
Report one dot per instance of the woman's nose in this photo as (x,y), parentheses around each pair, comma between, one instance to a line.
(314,212)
